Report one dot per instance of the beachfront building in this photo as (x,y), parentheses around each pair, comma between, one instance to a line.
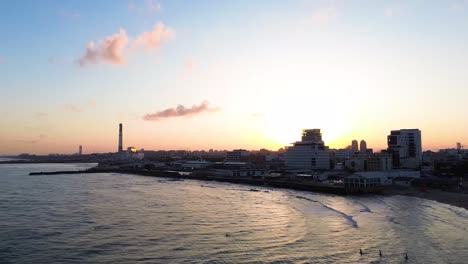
(406,148)
(308,154)
(237,155)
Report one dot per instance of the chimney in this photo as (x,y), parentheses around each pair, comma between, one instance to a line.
(120,138)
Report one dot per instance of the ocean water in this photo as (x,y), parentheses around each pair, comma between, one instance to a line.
(119,218)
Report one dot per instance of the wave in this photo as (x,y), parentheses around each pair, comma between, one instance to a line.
(344,215)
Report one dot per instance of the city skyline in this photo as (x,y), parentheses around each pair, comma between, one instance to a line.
(215,75)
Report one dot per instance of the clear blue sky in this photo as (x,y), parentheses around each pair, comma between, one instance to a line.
(249,73)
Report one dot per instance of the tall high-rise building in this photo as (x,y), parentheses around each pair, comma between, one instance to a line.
(80,150)
(308,154)
(120,138)
(406,148)
(363,146)
(313,135)
(354,146)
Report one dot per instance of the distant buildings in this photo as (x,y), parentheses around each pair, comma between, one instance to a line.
(354,146)
(80,150)
(363,146)
(237,155)
(308,154)
(406,148)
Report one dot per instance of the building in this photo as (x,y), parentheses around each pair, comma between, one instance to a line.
(237,155)
(379,162)
(308,154)
(342,154)
(363,146)
(406,148)
(354,146)
(313,135)
(80,150)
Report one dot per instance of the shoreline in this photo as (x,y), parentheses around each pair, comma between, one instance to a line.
(458,199)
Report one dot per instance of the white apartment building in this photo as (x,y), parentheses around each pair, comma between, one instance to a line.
(406,147)
(308,154)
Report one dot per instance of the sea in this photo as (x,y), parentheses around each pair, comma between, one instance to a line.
(122,218)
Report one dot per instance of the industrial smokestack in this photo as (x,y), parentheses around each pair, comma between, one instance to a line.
(120,138)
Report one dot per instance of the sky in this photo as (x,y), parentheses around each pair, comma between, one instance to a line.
(199,75)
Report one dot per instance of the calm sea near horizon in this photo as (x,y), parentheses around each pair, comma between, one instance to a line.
(120,218)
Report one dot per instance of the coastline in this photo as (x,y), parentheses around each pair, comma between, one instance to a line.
(458,199)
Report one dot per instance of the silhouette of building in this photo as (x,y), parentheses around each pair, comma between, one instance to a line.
(363,146)
(237,155)
(354,146)
(308,154)
(120,138)
(313,135)
(406,148)
(80,150)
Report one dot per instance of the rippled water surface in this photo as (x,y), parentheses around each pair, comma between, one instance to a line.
(118,218)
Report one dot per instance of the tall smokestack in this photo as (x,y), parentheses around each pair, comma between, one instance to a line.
(120,137)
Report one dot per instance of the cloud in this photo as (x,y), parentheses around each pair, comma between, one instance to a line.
(41,114)
(458,6)
(324,15)
(180,110)
(150,7)
(92,103)
(109,50)
(72,108)
(32,141)
(68,14)
(389,12)
(26,141)
(151,40)
(153,7)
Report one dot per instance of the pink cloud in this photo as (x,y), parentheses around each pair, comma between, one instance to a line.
(180,110)
(72,108)
(110,50)
(324,15)
(151,40)
(42,115)
(92,103)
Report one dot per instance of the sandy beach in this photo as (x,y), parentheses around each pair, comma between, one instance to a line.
(459,199)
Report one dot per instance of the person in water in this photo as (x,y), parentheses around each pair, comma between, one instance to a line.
(380,253)
(360,252)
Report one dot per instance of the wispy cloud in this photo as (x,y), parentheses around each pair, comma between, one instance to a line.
(150,40)
(72,108)
(25,141)
(68,14)
(180,110)
(92,102)
(458,5)
(324,15)
(41,115)
(149,7)
(389,12)
(109,50)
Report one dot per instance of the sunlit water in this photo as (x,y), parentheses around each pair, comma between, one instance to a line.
(117,218)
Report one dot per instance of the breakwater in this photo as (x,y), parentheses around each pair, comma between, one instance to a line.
(302,185)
